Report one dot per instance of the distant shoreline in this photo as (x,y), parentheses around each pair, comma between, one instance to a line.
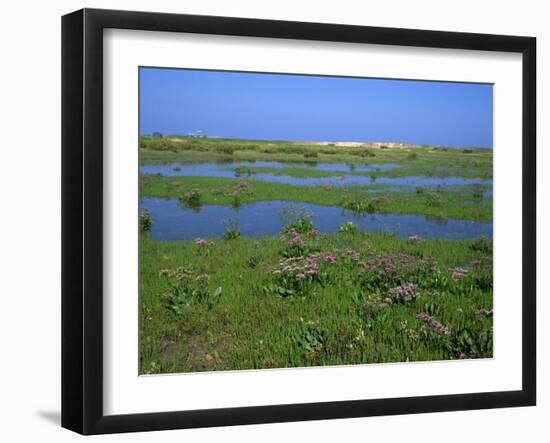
(347,144)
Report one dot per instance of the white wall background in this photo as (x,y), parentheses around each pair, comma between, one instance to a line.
(30,218)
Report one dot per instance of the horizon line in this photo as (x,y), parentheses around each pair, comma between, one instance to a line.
(278,140)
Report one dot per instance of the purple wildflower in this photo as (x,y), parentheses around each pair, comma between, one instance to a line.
(436,325)
(201,242)
(403,293)
(293,238)
(330,259)
(458,273)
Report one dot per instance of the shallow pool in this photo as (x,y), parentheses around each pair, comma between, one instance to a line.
(172,221)
(346,174)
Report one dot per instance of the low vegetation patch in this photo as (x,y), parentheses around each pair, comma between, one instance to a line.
(191,199)
(145,221)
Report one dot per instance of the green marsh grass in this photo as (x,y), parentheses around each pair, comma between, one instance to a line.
(235,314)
(457,202)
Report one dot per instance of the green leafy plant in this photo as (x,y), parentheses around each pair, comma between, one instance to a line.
(302,225)
(231,234)
(145,221)
(348,228)
(187,290)
(310,338)
(358,204)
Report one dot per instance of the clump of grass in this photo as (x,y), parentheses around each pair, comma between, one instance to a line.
(412,156)
(253,261)
(296,237)
(348,228)
(311,154)
(359,204)
(186,288)
(294,276)
(236,201)
(310,338)
(302,225)
(295,243)
(145,221)
(433,198)
(231,234)
(191,199)
(367,153)
(204,246)
(482,244)
(477,192)
(240,189)
(244,171)
(471,343)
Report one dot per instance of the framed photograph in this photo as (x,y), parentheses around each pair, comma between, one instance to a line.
(268,221)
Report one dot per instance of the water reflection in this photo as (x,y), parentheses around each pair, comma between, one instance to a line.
(347,174)
(173,221)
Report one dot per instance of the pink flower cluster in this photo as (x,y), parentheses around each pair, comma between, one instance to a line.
(203,243)
(293,238)
(332,258)
(351,254)
(328,258)
(436,325)
(458,273)
(299,267)
(403,293)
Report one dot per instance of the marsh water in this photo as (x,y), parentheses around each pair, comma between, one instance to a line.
(173,221)
(348,174)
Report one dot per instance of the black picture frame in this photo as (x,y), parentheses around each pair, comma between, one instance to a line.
(82,218)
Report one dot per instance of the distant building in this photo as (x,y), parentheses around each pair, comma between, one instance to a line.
(197,134)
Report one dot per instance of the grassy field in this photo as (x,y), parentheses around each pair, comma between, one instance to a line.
(307,299)
(304,298)
(464,202)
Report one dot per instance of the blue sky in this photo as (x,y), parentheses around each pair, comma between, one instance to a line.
(293,107)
